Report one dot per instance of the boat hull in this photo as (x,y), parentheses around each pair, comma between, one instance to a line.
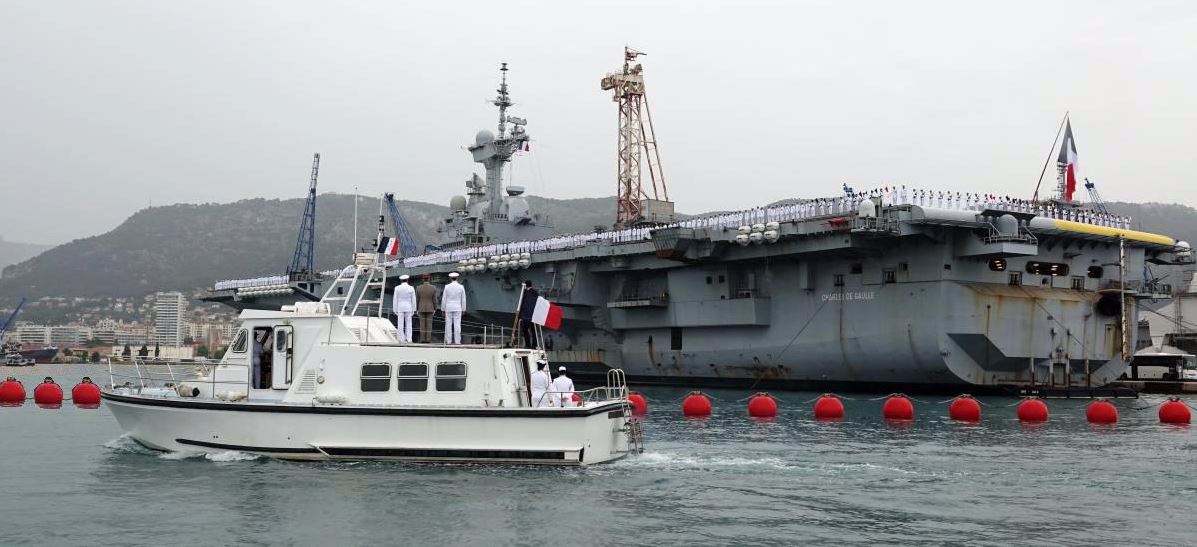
(342,432)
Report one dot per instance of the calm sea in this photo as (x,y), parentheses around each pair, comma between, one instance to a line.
(69,478)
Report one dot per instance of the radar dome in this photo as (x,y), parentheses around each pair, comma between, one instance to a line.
(1007,225)
(457,203)
(484,137)
(1182,244)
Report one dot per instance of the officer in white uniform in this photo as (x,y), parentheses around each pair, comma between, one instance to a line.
(563,388)
(540,385)
(404,306)
(453,302)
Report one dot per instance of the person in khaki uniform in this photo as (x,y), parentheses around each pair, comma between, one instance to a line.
(426,307)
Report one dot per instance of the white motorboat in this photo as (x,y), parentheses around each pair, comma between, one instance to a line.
(309,383)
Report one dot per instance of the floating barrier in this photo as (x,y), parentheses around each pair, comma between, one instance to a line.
(898,407)
(696,404)
(639,403)
(1175,411)
(762,405)
(86,394)
(829,407)
(965,408)
(48,394)
(1101,411)
(1032,410)
(12,392)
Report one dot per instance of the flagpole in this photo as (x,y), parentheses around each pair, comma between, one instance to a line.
(1035,197)
(355,219)
(515,324)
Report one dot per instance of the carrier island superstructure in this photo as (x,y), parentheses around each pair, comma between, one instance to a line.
(884,290)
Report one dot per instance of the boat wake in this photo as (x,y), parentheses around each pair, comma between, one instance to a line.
(126,445)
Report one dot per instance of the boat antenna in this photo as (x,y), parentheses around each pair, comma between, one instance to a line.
(381,224)
(1035,197)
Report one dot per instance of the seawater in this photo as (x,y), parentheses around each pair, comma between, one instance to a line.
(69,478)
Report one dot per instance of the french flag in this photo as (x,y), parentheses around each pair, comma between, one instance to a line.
(546,314)
(389,245)
(1068,160)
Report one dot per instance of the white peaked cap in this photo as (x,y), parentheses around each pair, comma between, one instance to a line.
(404,277)
(453,274)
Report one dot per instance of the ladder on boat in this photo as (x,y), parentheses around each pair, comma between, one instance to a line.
(617,385)
(354,286)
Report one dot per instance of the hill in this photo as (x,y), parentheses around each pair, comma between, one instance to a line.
(186,246)
(12,252)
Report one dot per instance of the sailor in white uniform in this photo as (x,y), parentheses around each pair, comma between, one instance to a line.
(404,306)
(453,302)
(563,388)
(540,385)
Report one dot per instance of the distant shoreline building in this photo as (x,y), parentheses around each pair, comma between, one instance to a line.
(170,318)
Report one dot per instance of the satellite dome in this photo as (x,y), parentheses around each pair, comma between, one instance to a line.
(484,137)
(1182,244)
(457,203)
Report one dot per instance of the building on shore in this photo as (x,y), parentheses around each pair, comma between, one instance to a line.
(170,318)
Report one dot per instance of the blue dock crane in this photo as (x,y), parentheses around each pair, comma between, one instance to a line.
(407,245)
(11,317)
(303,262)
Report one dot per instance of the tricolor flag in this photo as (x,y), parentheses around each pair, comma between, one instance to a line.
(536,309)
(389,245)
(1068,160)
(546,314)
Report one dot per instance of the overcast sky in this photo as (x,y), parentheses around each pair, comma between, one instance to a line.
(106,107)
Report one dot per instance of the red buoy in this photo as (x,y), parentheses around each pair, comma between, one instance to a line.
(898,407)
(696,404)
(86,394)
(1032,410)
(48,394)
(1175,411)
(829,407)
(965,409)
(1101,412)
(762,405)
(639,403)
(12,393)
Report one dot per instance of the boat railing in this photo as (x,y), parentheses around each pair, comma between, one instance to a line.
(162,377)
(601,394)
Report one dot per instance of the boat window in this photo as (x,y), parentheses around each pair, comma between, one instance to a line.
(1078,283)
(838,280)
(413,377)
(675,338)
(1016,279)
(1095,272)
(376,376)
(857,267)
(997,264)
(889,276)
(450,376)
(239,343)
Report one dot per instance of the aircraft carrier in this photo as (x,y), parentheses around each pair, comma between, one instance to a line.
(895,289)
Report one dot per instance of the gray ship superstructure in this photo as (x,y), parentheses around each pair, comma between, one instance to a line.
(889,289)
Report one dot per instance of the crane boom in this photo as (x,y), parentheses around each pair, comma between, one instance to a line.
(407,244)
(1098,204)
(11,317)
(303,262)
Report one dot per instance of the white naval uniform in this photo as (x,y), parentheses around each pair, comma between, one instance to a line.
(404,306)
(453,302)
(540,386)
(563,391)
